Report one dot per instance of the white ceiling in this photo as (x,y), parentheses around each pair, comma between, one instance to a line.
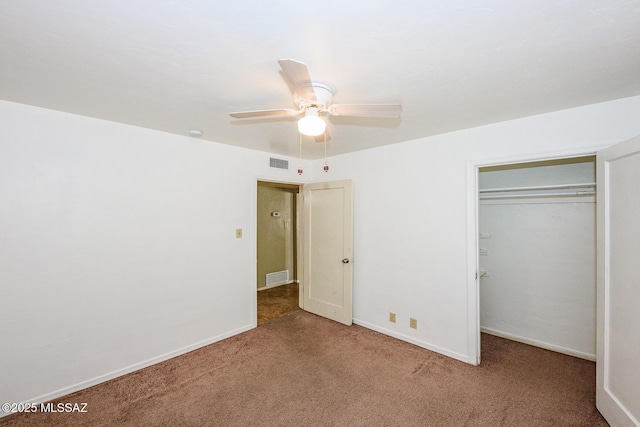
(177,65)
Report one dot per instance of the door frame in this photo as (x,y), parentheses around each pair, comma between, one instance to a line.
(473,241)
(299,264)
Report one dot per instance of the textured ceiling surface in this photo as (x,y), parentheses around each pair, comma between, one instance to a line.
(180,65)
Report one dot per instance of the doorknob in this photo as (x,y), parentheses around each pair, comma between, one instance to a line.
(345,261)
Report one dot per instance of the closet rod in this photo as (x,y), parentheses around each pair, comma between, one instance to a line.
(539,187)
(522,196)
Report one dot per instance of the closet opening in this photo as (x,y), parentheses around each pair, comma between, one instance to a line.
(536,225)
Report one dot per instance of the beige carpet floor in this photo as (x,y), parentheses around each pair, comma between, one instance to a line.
(303,370)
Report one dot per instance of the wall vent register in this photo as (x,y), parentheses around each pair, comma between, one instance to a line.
(278,163)
(277,278)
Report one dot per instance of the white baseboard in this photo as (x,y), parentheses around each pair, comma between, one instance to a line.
(419,343)
(129,369)
(264,288)
(541,344)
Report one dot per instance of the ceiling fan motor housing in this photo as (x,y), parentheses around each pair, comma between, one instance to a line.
(324,97)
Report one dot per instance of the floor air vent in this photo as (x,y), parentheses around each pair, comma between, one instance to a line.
(278,163)
(277,278)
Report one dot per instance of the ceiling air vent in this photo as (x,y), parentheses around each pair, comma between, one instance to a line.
(278,163)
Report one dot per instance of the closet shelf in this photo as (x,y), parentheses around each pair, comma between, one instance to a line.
(537,195)
(539,188)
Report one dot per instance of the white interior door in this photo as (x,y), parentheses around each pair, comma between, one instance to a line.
(618,329)
(327,250)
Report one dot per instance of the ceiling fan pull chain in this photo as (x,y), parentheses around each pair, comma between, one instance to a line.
(326,166)
(300,168)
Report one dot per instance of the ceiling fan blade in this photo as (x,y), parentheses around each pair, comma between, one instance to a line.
(263,113)
(366,110)
(298,76)
(320,138)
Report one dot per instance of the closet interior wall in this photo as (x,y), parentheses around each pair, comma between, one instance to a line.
(538,254)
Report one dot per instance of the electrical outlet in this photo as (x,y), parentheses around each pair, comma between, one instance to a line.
(392,317)
(238,233)
(413,323)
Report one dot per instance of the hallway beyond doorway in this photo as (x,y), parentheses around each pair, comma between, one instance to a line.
(277,301)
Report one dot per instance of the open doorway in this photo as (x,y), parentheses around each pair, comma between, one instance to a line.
(318,248)
(277,281)
(537,253)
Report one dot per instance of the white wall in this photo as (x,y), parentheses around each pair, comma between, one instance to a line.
(117,247)
(538,255)
(410,215)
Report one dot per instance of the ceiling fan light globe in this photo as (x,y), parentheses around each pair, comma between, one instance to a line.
(311,125)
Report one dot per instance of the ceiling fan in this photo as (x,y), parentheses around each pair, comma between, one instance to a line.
(314,99)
